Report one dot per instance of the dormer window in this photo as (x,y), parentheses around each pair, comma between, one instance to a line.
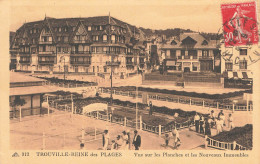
(113,38)
(89,28)
(65,29)
(104,38)
(101,27)
(59,29)
(173,42)
(204,42)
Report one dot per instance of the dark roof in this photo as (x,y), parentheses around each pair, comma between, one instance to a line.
(52,23)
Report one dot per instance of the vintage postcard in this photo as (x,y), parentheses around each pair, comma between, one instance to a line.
(130,81)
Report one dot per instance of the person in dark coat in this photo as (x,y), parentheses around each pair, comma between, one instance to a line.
(151,108)
(207,127)
(136,140)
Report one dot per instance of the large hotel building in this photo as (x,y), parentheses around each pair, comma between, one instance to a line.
(90,45)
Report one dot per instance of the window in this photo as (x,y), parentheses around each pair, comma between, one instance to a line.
(205,53)
(89,28)
(65,29)
(173,54)
(243,64)
(59,49)
(73,28)
(65,49)
(66,39)
(243,51)
(229,66)
(182,52)
(113,38)
(59,29)
(104,38)
(95,37)
(59,38)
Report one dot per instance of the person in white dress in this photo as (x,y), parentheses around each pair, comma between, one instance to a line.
(219,125)
(105,139)
(125,144)
(230,122)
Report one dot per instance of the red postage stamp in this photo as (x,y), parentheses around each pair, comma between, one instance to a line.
(239,23)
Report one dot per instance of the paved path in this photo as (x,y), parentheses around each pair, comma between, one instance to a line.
(61,128)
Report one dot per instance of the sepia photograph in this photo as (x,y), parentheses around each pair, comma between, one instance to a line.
(124,76)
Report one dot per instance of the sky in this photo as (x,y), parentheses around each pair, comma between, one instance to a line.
(197,15)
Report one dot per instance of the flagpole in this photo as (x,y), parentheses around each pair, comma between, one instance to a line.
(136,105)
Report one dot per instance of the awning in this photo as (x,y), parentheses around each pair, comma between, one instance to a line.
(250,75)
(238,75)
(170,63)
(186,64)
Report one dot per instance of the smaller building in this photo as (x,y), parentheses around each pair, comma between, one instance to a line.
(237,65)
(29,89)
(191,52)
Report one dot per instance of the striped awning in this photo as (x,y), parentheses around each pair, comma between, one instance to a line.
(238,75)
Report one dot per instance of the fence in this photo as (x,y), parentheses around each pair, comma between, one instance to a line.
(183,100)
(209,142)
(140,124)
(72,85)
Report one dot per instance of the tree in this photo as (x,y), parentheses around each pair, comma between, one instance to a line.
(18,102)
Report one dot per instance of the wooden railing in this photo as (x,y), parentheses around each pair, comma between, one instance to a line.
(183,100)
(209,142)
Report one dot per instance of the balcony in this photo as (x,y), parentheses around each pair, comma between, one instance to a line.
(46,52)
(206,57)
(24,61)
(187,57)
(80,41)
(46,62)
(24,53)
(45,42)
(129,63)
(115,63)
(80,52)
(85,63)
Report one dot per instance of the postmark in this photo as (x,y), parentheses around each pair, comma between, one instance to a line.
(239,24)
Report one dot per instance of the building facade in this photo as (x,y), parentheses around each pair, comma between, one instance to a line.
(191,52)
(79,45)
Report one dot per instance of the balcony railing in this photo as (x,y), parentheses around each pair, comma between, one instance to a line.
(46,52)
(129,63)
(22,53)
(113,63)
(24,61)
(81,41)
(80,62)
(80,52)
(46,62)
(45,42)
(206,57)
(187,57)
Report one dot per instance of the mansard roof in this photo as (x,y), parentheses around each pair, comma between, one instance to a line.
(71,23)
(198,40)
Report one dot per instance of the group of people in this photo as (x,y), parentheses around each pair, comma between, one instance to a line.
(203,124)
(122,142)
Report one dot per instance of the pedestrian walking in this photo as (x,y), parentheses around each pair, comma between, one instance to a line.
(208,126)
(230,122)
(151,108)
(167,139)
(219,125)
(125,145)
(105,139)
(176,138)
(137,140)
(196,120)
(202,124)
